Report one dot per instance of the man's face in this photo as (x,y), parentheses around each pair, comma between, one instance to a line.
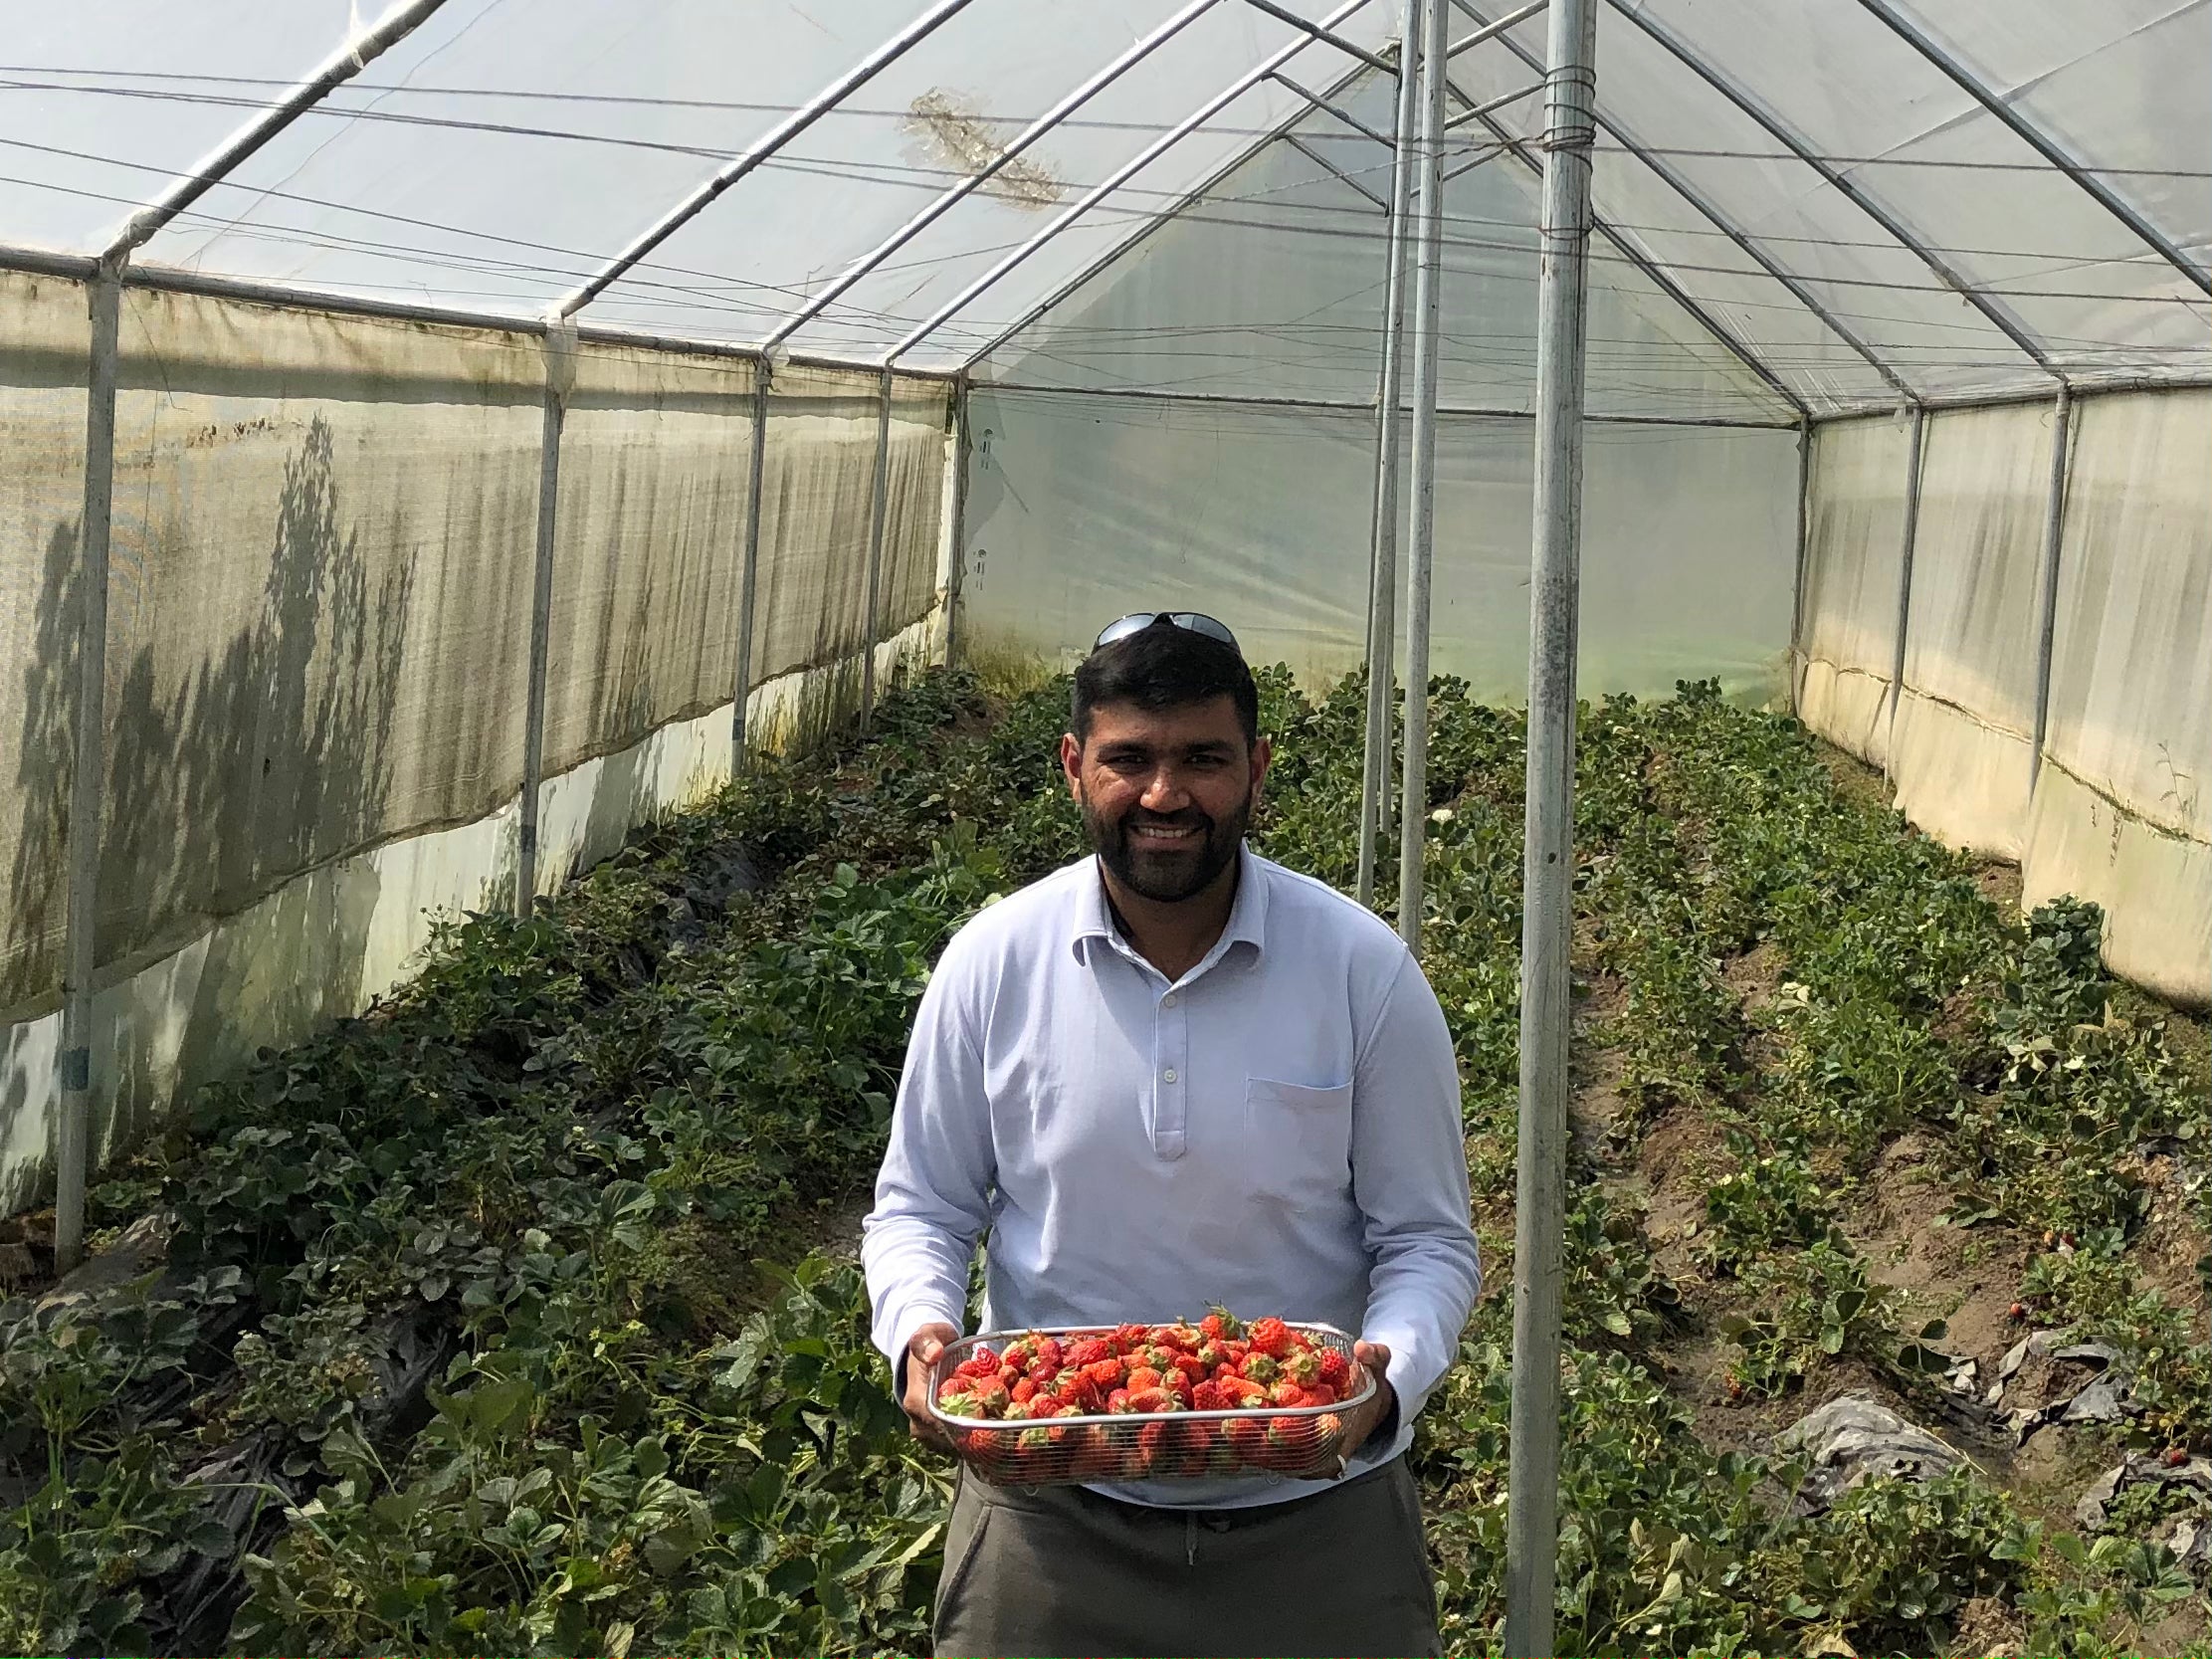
(1166,796)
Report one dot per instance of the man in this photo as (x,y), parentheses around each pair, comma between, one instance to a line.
(1173,1076)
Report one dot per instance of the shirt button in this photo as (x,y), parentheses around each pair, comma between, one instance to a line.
(1169,1074)
(1168,1001)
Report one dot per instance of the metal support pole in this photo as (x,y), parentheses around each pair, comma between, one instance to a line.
(1804,544)
(1332,170)
(1428,307)
(1904,577)
(957,560)
(1322,32)
(2047,616)
(1490,30)
(1547,882)
(876,550)
(748,580)
(561,347)
(1382,570)
(73,1130)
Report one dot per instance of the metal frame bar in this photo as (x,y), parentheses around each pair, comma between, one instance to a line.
(1547,880)
(1653,271)
(1136,238)
(763,150)
(1382,550)
(1314,100)
(1112,182)
(875,550)
(332,73)
(73,1127)
(2042,142)
(2047,616)
(1804,546)
(1844,185)
(560,367)
(1427,319)
(748,580)
(1916,457)
(953,195)
(1347,405)
(166,278)
(956,556)
(104,279)
(1673,178)
(1485,31)
(1493,106)
(1483,159)
(1322,33)
(1329,167)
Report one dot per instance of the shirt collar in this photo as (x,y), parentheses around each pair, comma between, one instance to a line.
(1247,923)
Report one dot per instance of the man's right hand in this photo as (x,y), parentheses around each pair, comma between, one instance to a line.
(923,1348)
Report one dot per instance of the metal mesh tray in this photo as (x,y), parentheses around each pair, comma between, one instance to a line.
(1260,1443)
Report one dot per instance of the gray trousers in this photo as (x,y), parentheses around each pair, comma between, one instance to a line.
(1061,1571)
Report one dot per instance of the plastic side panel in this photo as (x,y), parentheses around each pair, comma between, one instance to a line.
(2124,804)
(318,613)
(649,539)
(1852,557)
(1966,714)
(811,584)
(1081,509)
(44,340)
(914,507)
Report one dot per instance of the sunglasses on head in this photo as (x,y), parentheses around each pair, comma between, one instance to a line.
(1138,621)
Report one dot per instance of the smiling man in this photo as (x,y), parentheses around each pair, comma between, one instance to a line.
(1170,1076)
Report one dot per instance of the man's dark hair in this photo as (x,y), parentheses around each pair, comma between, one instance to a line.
(1165,667)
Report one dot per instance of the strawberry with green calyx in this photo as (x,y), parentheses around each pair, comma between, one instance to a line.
(1288,1395)
(1118,1403)
(1291,1443)
(1242,1392)
(989,1397)
(1192,1366)
(1221,1324)
(1150,1401)
(1182,1339)
(1210,1354)
(956,1398)
(1271,1337)
(1259,1367)
(1178,1384)
(1303,1366)
(1020,1354)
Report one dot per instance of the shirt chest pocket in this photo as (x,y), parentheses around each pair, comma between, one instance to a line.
(1299,1137)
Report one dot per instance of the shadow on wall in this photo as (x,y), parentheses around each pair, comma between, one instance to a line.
(268,758)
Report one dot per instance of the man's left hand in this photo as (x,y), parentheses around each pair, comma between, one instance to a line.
(1373,1358)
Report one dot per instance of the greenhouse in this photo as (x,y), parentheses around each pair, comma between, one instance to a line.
(540,549)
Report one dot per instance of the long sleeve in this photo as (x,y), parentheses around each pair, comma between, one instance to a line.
(933,1196)
(1409,1180)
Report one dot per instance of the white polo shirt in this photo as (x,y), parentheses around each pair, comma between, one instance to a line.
(1278,1131)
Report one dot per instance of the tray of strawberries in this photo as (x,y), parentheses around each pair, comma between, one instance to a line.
(1146,1402)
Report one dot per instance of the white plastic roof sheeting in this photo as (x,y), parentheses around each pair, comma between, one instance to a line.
(1800,169)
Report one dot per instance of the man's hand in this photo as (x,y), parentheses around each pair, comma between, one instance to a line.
(923,1351)
(1373,1358)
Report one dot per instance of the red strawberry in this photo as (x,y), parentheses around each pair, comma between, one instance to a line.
(1243,1392)
(1146,1401)
(1291,1443)
(1182,1338)
(1179,1386)
(1303,1366)
(1207,1396)
(2176,1456)
(1259,1367)
(1087,1350)
(1189,1365)
(1247,1437)
(989,1448)
(1023,1392)
(956,1398)
(1221,1324)
(1020,1354)
(1193,1446)
(990,1397)
(1128,1337)
(1118,1403)
(982,1362)
(1105,1373)
(1321,1394)
(1271,1337)
(1234,1350)
(1049,1352)
(1336,1368)
(1288,1395)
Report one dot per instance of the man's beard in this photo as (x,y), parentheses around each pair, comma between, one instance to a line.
(1167,876)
